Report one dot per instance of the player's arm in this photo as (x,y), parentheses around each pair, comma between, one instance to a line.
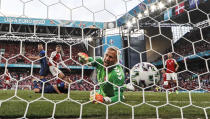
(165,63)
(51,58)
(34,57)
(63,64)
(162,80)
(86,59)
(177,65)
(56,89)
(97,60)
(42,54)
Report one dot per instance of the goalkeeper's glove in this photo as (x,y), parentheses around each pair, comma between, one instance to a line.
(97,96)
(100,98)
(83,57)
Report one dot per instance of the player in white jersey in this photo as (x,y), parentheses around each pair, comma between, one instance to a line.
(54,61)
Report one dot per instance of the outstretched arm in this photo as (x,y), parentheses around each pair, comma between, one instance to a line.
(41,54)
(51,58)
(177,65)
(84,58)
(64,65)
(34,57)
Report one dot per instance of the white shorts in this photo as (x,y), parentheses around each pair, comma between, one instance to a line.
(165,83)
(170,76)
(54,70)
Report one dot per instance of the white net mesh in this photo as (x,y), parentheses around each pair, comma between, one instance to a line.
(146,37)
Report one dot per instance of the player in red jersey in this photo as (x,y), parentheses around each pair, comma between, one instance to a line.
(7,80)
(54,60)
(172,66)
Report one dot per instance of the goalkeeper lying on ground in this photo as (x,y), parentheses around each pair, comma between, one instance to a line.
(107,92)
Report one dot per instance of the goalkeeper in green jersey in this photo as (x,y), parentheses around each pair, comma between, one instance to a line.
(107,92)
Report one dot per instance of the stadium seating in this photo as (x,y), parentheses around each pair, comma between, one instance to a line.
(30,49)
(28,81)
(185,79)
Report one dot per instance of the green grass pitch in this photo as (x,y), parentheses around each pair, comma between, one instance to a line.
(15,108)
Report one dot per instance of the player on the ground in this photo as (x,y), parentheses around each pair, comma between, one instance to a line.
(56,58)
(107,92)
(44,69)
(61,87)
(172,67)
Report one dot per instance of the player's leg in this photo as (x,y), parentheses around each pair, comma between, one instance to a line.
(175,81)
(36,87)
(43,74)
(174,77)
(168,76)
(53,71)
(166,84)
(42,78)
(5,86)
(62,76)
(168,79)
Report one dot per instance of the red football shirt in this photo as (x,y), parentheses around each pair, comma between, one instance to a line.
(170,65)
(56,57)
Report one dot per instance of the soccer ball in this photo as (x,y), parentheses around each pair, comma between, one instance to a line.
(83,57)
(145,74)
